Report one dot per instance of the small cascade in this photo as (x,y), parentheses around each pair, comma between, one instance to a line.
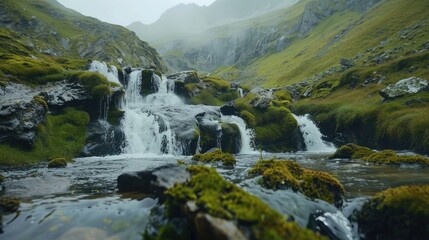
(111,73)
(240,92)
(247,134)
(313,138)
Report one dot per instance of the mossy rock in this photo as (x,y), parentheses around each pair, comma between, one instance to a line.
(249,118)
(41,100)
(217,155)
(321,185)
(101,91)
(286,174)
(146,82)
(352,151)
(231,138)
(390,157)
(221,199)
(283,95)
(397,213)
(2,178)
(9,204)
(57,163)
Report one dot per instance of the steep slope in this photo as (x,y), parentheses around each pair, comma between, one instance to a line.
(55,30)
(189,19)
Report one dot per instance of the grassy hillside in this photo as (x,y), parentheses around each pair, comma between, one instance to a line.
(50,28)
(399,26)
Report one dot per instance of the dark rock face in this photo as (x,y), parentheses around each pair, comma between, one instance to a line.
(229,109)
(64,93)
(103,139)
(210,133)
(154,181)
(19,121)
(231,138)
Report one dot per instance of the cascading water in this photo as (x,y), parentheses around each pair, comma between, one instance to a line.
(313,138)
(161,124)
(147,131)
(247,134)
(111,73)
(240,92)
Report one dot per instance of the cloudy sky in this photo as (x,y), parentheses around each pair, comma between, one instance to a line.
(124,12)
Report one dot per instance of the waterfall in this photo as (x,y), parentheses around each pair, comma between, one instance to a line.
(240,92)
(147,130)
(313,138)
(247,134)
(161,123)
(110,73)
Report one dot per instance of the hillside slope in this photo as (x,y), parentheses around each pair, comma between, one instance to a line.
(52,29)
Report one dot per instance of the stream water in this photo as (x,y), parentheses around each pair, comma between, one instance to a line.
(81,199)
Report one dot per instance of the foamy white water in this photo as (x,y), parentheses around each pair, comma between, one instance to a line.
(313,138)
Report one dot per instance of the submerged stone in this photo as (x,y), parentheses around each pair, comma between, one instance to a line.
(154,181)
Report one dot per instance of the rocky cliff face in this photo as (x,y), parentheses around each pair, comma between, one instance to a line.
(242,43)
(55,30)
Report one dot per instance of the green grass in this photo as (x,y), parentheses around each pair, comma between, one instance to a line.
(62,136)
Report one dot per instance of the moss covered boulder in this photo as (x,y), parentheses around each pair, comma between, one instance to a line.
(231,138)
(57,163)
(387,157)
(208,196)
(217,155)
(352,151)
(9,204)
(390,157)
(286,174)
(398,213)
(276,129)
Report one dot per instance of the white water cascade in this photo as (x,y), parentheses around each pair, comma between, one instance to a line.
(111,73)
(247,134)
(312,135)
(147,130)
(161,123)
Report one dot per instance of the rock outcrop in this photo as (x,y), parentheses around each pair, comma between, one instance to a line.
(404,87)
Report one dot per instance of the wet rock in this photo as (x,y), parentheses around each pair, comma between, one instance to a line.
(230,109)
(103,139)
(19,121)
(154,181)
(209,227)
(231,138)
(404,87)
(333,225)
(185,76)
(264,100)
(210,133)
(64,93)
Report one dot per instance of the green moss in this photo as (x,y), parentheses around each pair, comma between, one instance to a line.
(9,204)
(390,157)
(285,174)
(249,118)
(276,129)
(229,96)
(57,163)
(115,116)
(63,135)
(218,83)
(221,199)
(101,91)
(352,151)
(217,155)
(321,185)
(206,98)
(397,213)
(283,95)
(42,101)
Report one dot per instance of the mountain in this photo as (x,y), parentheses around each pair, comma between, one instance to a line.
(188,19)
(50,28)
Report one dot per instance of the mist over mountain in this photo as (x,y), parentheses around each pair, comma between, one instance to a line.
(189,19)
